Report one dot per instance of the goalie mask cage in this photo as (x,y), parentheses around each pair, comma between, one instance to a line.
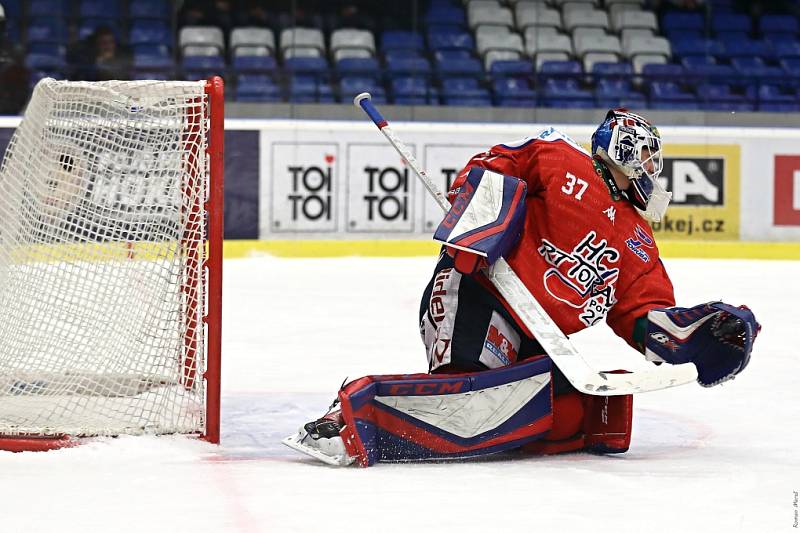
(111,263)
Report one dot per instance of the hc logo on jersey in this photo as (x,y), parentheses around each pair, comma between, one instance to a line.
(583,278)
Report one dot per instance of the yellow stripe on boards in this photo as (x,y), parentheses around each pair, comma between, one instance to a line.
(410,248)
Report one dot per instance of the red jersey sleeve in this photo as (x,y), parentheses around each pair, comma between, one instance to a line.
(516,160)
(651,290)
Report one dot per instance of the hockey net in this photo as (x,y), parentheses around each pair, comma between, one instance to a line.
(110,262)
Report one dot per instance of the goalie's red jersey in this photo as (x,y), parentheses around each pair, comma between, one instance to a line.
(583,255)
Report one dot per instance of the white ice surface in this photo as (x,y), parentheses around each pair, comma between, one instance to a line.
(720,459)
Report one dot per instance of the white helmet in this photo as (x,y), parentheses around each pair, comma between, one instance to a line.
(630,144)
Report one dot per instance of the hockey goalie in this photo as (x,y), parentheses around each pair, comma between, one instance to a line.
(573,226)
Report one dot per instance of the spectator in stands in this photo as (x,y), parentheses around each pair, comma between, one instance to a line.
(100,57)
(255,13)
(351,15)
(761,7)
(219,13)
(667,5)
(14,75)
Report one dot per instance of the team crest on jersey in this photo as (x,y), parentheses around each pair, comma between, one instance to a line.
(583,278)
(638,242)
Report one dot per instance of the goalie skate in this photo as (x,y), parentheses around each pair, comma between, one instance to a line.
(320,439)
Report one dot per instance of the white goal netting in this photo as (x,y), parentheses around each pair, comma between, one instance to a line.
(102,193)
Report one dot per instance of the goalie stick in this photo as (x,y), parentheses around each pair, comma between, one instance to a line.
(566,357)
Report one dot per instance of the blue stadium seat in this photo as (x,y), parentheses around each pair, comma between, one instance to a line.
(152,57)
(45,62)
(261,64)
(316,66)
(786,49)
(610,88)
(45,8)
(731,22)
(401,53)
(48,49)
(413,91)
(153,31)
(560,70)
(303,89)
(778,24)
(565,92)
(358,65)
(401,40)
(680,20)
(199,67)
(754,70)
(308,89)
(717,92)
(464,91)
(257,88)
(680,35)
(665,71)
(511,68)
(451,40)
(791,66)
(697,47)
(351,86)
(47,30)
(612,71)
(669,91)
(445,16)
(513,92)
(325,93)
(775,93)
(464,66)
(713,73)
(150,9)
(417,66)
(738,47)
(99,9)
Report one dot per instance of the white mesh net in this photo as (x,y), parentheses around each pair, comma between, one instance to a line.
(101,250)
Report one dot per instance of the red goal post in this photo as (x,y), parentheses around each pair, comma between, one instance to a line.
(111,230)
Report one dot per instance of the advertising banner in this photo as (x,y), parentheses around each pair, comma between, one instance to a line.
(312,179)
(704,180)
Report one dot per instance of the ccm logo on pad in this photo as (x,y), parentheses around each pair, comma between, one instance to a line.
(425,389)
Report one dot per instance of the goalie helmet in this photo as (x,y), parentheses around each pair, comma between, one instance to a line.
(632,145)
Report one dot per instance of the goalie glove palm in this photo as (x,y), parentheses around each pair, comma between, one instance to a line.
(718,338)
(485,220)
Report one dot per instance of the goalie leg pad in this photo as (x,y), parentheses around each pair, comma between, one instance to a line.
(604,425)
(422,416)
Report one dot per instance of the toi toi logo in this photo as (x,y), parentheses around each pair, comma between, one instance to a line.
(387,194)
(311,191)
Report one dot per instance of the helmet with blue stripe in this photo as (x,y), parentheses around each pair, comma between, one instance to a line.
(630,144)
